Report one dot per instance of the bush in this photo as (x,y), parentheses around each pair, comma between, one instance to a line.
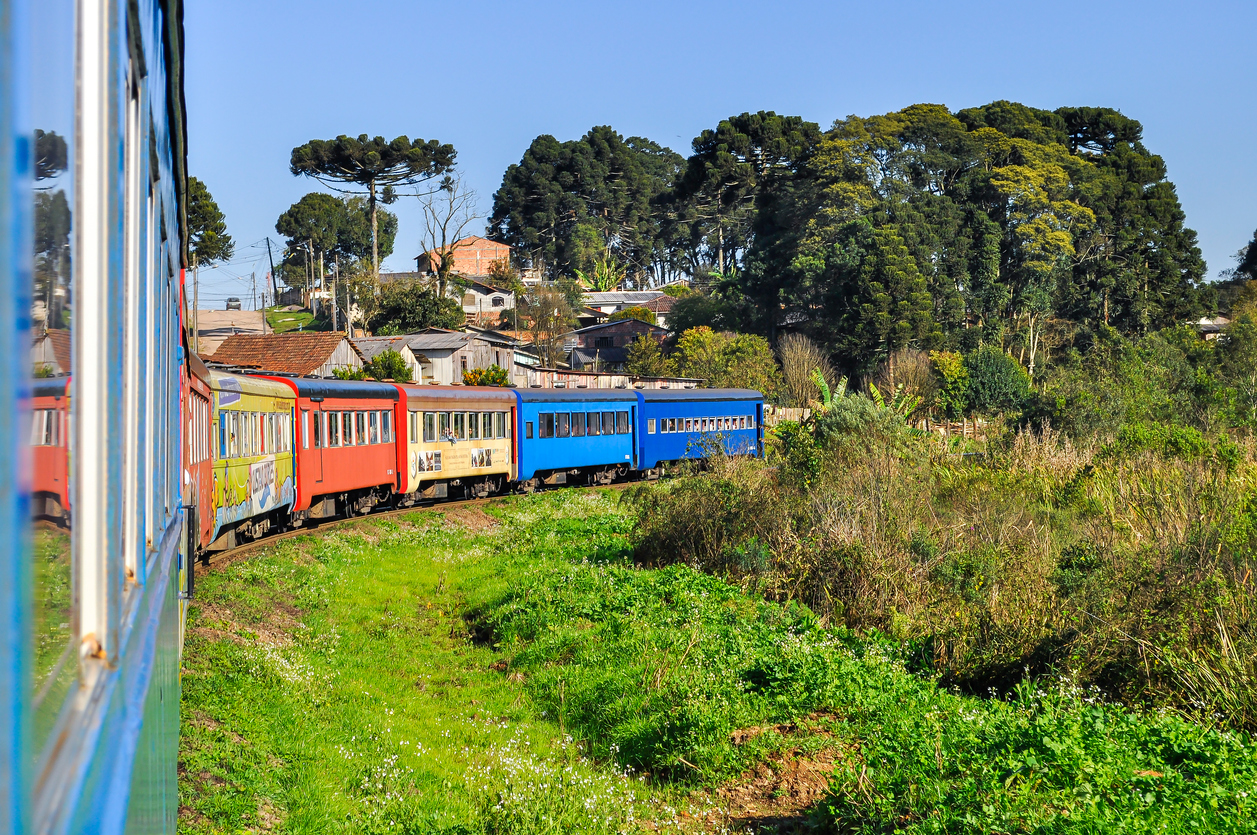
(953,382)
(491,376)
(997,382)
(389,365)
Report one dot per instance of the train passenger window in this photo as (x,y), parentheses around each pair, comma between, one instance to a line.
(318,430)
(689,424)
(621,423)
(346,428)
(593,423)
(564,425)
(429,427)
(333,428)
(373,419)
(222,436)
(528,429)
(460,426)
(499,424)
(578,424)
(650,426)
(413,424)
(473,426)
(486,425)
(445,433)
(545,426)
(360,428)
(305,428)
(608,423)
(386,427)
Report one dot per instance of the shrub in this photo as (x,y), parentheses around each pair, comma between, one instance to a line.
(491,376)
(997,382)
(953,382)
(388,365)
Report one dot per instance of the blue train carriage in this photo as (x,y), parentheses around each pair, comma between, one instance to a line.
(93,245)
(574,436)
(676,424)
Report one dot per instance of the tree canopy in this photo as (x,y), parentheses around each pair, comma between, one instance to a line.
(408,306)
(208,241)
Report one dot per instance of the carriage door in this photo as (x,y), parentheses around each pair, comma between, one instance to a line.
(318,433)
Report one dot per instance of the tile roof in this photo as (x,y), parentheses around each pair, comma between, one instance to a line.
(284,353)
(59,339)
(663,304)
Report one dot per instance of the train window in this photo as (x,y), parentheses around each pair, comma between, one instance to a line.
(675,424)
(499,424)
(473,426)
(429,427)
(346,428)
(545,426)
(460,426)
(578,424)
(444,431)
(486,425)
(305,428)
(608,423)
(318,430)
(333,428)
(373,421)
(360,428)
(528,429)
(235,435)
(386,427)
(621,423)
(564,425)
(593,424)
(222,436)
(689,424)
(413,425)
(650,426)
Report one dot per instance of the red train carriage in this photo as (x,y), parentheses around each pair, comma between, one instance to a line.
(347,450)
(198,459)
(50,407)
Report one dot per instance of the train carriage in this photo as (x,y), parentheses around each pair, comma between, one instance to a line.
(346,452)
(677,424)
(456,437)
(50,409)
(253,467)
(575,434)
(198,453)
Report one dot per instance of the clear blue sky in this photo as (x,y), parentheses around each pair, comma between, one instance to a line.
(266,75)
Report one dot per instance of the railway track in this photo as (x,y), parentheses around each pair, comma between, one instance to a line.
(220,559)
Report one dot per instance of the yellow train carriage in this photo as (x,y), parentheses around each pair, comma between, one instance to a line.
(252,437)
(458,438)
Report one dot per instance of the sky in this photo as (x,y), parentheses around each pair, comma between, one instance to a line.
(489,77)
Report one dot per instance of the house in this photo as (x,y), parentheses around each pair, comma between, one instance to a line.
(484,304)
(50,352)
(617,300)
(304,354)
(444,355)
(472,256)
(1210,328)
(605,347)
(661,307)
(371,347)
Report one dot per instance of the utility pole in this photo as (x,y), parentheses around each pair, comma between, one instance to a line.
(196,309)
(253,283)
(274,284)
(335,282)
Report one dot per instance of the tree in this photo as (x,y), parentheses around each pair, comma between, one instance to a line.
(641,314)
(389,365)
(997,383)
(548,317)
(378,165)
(953,382)
(446,213)
(646,359)
(727,360)
(208,241)
(408,307)
(801,359)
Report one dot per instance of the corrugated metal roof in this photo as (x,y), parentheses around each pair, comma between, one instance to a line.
(372,346)
(437,341)
(629,297)
(701,394)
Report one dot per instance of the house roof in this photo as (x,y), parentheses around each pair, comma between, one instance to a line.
(439,341)
(663,304)
(283,353)
(602,325)
(608,356)
(372,346)
(627,297)
(59,339)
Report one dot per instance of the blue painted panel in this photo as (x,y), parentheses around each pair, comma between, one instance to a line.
(537,454)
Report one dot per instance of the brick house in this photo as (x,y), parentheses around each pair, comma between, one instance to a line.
(605,347)
(472,256)
(305,354)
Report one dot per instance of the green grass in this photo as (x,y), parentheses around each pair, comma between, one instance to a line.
(282,321)
(515,672)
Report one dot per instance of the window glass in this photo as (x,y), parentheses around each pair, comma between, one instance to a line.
(564,428)
(318,430)
(373,418)
(222,436)
(346,428)
(333,428)
(528,429)
(621,423)
(473,426)
(608,423)
(486,425)
(499,424)
(593,423)
(360,428)
(305,428)
(578,424)
(545,425)
(386,427)
(413,423)
(429,427)
(460,426)
(650,426)
(445,433)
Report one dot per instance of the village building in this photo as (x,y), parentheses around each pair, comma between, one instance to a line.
(661,307)
(371,347)
(473,256)
(305,354)
(444,355)
(605,347)
(615,301)
(50,353)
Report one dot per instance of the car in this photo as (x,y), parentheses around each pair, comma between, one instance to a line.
(233,303)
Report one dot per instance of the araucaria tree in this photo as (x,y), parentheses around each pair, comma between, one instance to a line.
(376,165)
(208,241)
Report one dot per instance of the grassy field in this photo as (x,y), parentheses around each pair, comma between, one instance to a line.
(282,321)
(508,668)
